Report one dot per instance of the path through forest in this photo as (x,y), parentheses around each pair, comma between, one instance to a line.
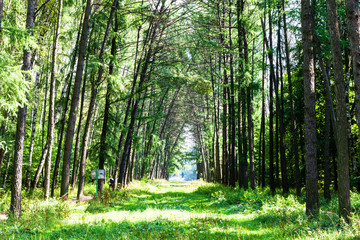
(173,210)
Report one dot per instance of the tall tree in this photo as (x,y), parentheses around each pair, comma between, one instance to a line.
(51,123)
(15,205)
(65,175)
(353,21)
(312,195)
(341,113)
(292,111)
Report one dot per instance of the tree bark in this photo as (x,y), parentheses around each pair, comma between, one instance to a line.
(292,111)
(341,113)
(103,148)
(51,126)
(250,126)
(61,132)
(327,180)
(7,170)
(2,156)
(1,12)
(232,158)
(15,205)
(65,176)
(85,140)
(312,195)
(352,15)
(271,116)
(33,131)
(78,134)
(283,161)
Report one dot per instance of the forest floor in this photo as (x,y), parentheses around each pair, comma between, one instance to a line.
(176,210)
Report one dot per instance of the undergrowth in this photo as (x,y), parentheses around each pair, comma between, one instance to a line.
(163,210)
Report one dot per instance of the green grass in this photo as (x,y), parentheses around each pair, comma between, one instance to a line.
(177,210)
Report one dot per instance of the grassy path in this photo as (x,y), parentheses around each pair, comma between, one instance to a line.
(163,211)
(169,210)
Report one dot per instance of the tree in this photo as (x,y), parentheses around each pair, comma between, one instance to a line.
(15,205)
(65,176)
(51,123)
(341,113)
(312,195)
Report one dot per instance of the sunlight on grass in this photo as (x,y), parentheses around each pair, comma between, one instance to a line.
(175,210)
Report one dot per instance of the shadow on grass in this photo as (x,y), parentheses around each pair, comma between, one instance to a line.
(197,228)
(172,200)
(149,200)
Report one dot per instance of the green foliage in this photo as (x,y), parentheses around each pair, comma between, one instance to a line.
(177,210)
(13,86)
(199,85)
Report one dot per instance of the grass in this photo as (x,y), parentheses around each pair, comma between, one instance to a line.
(171,210)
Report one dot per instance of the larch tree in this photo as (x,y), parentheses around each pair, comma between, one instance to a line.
(341,113)
(15,205)
(312,195)
(65,175)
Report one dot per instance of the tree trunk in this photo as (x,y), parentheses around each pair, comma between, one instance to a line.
(1,12)
(7,170)
(51,126)
(352,15)
(327,180)
(61,132)
(2,156)
(263,153)
(39,170)
(312,195)
(232,158)
(271,116)
(65,176)
(217,167)
(283,161)
(33,131)
(102,154)
(341,113)
(250,125)
(15,205)
(292,112)
(84,142)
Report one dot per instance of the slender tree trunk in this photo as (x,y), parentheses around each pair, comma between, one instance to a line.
(271,116)
(31,146)
(103,147)
(217,167)
(283,161)
(292,112)
(1,12)
(232,159)
(85,140)
(341,113)
(352,15)
(74,104)
(39,170)
(2,157)
(77,155)
(43,114)
(263,154)
(63,119)
(251,127)
(7,170)
(78,136)
(15,205)
(327,180)
(51,126)
(312,195)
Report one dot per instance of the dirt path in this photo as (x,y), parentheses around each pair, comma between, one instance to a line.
(83,198)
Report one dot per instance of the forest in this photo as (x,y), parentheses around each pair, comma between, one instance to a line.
(266,92)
